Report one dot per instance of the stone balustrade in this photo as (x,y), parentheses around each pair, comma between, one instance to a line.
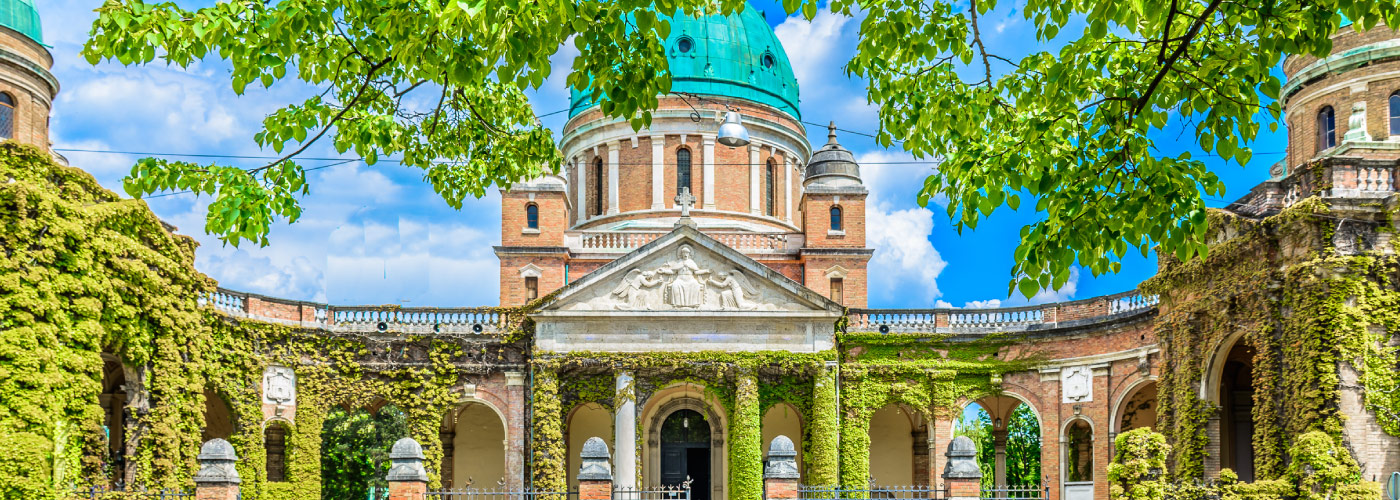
(621,242)
(367,319)
(1339,173)
(1006,319)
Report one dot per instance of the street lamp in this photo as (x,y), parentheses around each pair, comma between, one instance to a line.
(732,132)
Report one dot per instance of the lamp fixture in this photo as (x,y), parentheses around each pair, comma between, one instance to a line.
(731,132)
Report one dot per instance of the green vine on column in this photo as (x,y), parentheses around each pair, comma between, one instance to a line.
(548,438)
(823,463)
(746,441)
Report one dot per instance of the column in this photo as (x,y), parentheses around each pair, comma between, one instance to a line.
(754,178)
(612,176)
(515,434)
(999,443)
(824,468)
(625,432)
(658,172)
(547,428)
(217,478)
(787,186)
(745,439)
(709,185)
(581,198)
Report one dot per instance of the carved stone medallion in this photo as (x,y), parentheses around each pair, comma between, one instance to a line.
(1076,383)
(279,386)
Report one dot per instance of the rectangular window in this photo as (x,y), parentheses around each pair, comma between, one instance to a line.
(532,288)
(837,291)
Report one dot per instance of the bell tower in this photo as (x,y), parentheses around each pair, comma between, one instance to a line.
(27,87)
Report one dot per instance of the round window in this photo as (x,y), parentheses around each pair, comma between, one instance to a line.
(685,44)
(767,60)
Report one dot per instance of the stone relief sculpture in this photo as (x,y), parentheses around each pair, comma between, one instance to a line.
(735,290)
(686,289)
(684,278)
(279,386)
(638,290)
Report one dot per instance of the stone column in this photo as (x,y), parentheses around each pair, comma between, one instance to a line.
(823,470)
(745,438)
(791,165)
(780,473)
(755,200)
(407,478)
(515,434)
(658,172)
(709,184)
(595,480)
(447,459)
(613,151)
(581,198)
(961,475)
(625,431)
(217,478)
(999,444)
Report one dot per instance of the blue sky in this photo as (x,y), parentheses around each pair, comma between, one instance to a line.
(378,235)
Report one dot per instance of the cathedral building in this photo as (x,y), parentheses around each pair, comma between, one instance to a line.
(690,291)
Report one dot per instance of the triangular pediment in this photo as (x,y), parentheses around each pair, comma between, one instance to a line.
(686,272)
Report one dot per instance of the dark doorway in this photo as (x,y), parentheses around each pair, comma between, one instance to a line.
(685,452)
(1236,412)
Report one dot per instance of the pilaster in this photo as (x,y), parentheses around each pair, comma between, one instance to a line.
(658,172)
(755,199)
(709,147)
(613,151)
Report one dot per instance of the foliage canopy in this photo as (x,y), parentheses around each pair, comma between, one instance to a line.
(440,84)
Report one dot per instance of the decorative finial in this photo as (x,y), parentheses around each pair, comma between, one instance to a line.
(831,133)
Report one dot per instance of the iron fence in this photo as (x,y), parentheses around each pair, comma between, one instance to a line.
(675,492)
(118,492)
(471,493)
(916,492)
(1015,492)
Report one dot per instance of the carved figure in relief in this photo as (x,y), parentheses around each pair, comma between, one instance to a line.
(636,290)
(686,289)
(735,290)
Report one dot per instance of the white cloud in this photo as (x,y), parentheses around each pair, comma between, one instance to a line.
(817,50)
(983,304)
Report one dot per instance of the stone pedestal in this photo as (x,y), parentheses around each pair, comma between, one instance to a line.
(780,474)
(595,480)
(962,476)
(407,478)
(217,478)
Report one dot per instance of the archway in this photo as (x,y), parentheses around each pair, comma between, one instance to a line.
(113,399)
(783,420)
(478,447)
(1008,436)
(658,408)
(355,449)
(685,451)
(275,448)
(892,447)
(1236,391)
(218,420)
(586,421)
(1077,455)
(1137,408)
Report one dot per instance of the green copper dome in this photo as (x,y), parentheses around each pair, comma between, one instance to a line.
(727,56)
(20,15)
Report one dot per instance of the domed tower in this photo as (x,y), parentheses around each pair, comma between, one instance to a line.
(620,188)
(1343,117)
(27,88)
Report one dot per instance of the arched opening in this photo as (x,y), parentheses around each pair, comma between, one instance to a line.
(1008,438)
(532,216)
(768,189)
(1078,459)
(218,420)
(658,409)
(685,451)
(596,188)
(1395,113)
(355,449)
(1326,129)
(478,447)
(1138,408)
(783,420)
(683,171)
(7,116)
(1236,411)
(836,218)
(586,421)
(113,399)
(892,447)
(275,446)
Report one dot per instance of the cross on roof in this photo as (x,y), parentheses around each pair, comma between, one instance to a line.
(685,200)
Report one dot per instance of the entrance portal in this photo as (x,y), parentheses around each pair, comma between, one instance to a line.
(685,452)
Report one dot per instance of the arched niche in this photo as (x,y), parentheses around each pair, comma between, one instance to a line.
(585,421)
(113,399)
(892,446)
(276,434)
(1077,459)
(218,419)
(478,452)
(1136,407)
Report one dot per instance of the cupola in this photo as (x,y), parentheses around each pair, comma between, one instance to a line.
(832,165)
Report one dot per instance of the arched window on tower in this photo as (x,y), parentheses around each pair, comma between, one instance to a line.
(683,170)
(836,218)
(532,216)
(7,116)
(768,189)
(596,207)
(1395,113)
(1326,129)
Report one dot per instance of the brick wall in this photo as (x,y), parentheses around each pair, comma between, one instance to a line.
(513,285)
(553,218)
(853,284)
(33,96)
(817,224)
